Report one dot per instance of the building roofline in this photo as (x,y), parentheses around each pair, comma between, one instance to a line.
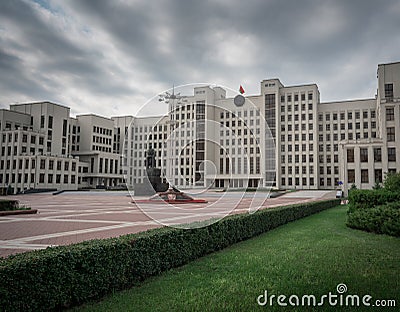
(92,115)
(14,112)
(155,116)
(123,116)
(391,63)
(302,85)
(345,101)
(41,102)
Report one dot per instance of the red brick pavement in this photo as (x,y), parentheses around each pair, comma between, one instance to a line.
(75,217)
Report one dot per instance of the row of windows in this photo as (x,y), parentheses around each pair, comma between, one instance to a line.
(321,158)
(16,126)
(296,97)
(328,182)
(297,181)
(145,129)
(391,151)
(296,148)
(297,170)
(350,136)
(14,138)
(101,148)
(296,107)
(378,175)
(233,115)
(101,130)
(296,127)
(43,178)
(297,158)
(296,137)
(101,140)
(239,123)
(42,164)
(108,165)
(296,117)
(342,115)
(232,165)
(251,150)
(366,125)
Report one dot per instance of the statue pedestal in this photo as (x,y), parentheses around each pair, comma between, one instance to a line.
(152,184)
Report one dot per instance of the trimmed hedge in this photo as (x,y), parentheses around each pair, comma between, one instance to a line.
(365,199)
(381,220)
(65,276)
(8,204)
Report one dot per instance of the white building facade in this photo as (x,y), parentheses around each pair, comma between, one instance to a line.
(284,137)
(43,148)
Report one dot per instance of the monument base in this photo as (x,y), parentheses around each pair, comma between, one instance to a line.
(171,196)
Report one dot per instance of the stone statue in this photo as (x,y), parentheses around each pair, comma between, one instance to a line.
(151,159)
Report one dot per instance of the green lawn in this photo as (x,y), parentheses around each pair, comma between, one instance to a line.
(309,256)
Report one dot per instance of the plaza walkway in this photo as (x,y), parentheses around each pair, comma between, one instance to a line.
(73,217)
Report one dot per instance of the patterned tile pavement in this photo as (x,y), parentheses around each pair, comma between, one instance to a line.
(73,217)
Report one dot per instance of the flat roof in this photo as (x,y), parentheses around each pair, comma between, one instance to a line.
(392,63)
(346,101)
(43,102)
(92,115)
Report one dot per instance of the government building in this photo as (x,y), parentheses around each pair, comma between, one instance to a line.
(283,138)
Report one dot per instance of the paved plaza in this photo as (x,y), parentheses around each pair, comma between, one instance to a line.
(73,217)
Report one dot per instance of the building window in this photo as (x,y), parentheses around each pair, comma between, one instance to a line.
(350,155)
(389,91)
(364,176)
(64,129)
(377,154)
(42,119)
(389,113)
(351,178)
(391,154)
(50,126)
(270,100)
(364,154)
(390,134)
(378,176)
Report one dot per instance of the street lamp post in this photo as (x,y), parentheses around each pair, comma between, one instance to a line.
(172,100)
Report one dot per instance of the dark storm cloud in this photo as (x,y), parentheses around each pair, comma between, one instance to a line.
(94,54)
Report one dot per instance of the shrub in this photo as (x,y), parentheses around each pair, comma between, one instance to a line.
(8,204)
(381,220)
(64,276)
(365,199)
(392,182)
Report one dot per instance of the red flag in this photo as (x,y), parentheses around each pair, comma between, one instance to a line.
(241,90)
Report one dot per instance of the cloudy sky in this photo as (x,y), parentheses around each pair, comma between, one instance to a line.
(111,57)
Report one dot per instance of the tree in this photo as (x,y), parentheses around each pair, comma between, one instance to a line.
(353,187)
(377,186)
(392,182)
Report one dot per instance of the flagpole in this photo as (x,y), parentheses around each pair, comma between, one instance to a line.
(171,100)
